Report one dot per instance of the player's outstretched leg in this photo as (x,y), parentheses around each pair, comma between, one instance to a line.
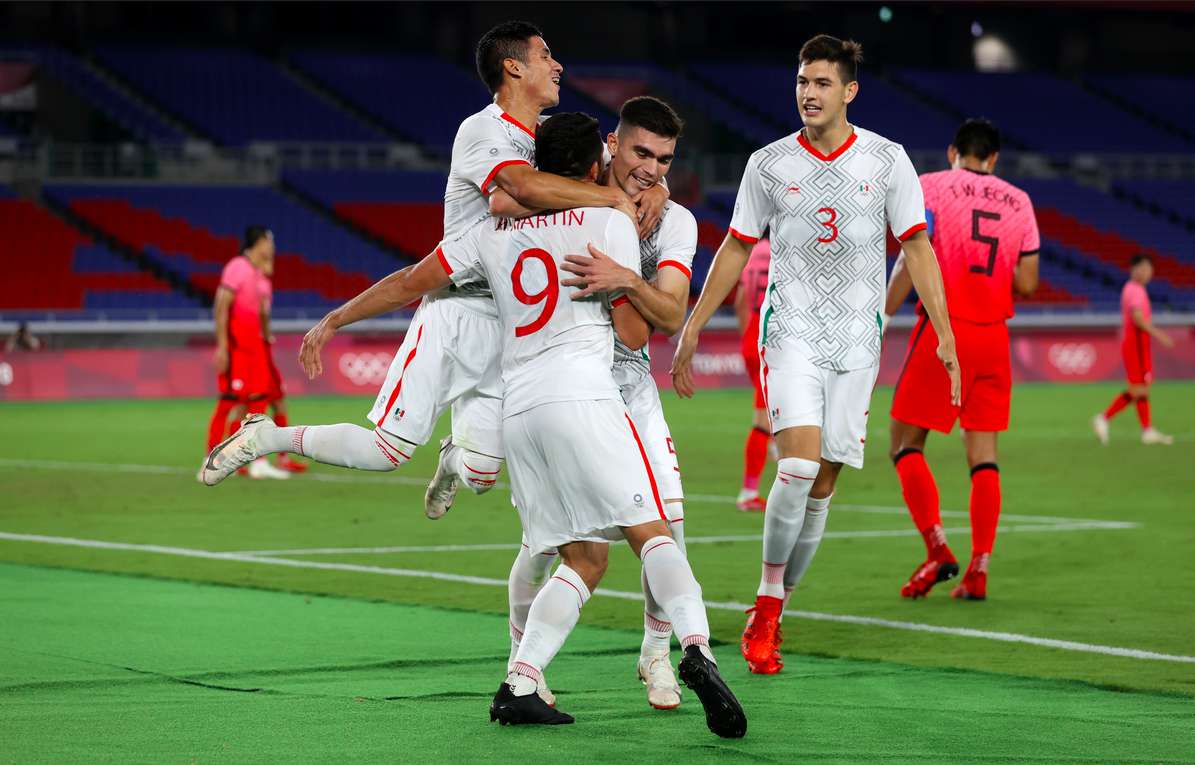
(475,470)
(654,667)
(344,445)
(921,497)
(527,577)
(985,515)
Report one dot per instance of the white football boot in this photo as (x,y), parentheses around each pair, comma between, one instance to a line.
(262,468)
(237,450)
(1099,424)
(442,490)
(663,692)
(1153,436)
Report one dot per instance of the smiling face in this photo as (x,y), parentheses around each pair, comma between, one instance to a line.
(639,158)
(540,73)
(822,96)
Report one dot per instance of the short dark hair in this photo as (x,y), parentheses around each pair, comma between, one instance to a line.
(1141,257)
(568,144)
(651,114)
(507,40)
(253,235)
(977,137)
(847,54)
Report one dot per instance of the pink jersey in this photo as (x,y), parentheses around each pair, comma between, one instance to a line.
(1134,298)
(754,280)
(251,292)
(980,226)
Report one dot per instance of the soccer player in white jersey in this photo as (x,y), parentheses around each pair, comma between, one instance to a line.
(579,474)
(641,153)
(826,195)
(449,356)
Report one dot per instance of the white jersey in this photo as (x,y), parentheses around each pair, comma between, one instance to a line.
(827,217)
(554,348)
(485,143)
(671,244)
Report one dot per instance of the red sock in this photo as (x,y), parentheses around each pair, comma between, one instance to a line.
(280,419)
(258,405)
(985,507)
(755,457)
(1118,403)
(1143,412)
(219,422)
(920,492)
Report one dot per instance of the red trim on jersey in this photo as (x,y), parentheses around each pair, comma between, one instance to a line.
(518,124)
(917,227)
(763,353)
(832,155)
(620,300)
(677,265)
(651,478)
(743,237)
(443,260)
(398,385)
(485,185)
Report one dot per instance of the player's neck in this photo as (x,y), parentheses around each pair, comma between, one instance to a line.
(828,139)
(607,178)
(519,107)
(973,165)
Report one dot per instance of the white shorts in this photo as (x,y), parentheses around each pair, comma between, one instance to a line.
(643,403)
(799,393)
(451,356)
(578,473)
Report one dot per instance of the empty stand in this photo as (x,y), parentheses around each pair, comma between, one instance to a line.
(235,96)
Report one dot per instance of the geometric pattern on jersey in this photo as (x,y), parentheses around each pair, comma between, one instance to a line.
(628,363)
(844,279)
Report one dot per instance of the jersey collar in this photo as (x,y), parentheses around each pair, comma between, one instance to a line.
(518,124)
(832,155)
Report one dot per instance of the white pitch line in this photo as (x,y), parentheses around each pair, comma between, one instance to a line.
(408,480)
(859,534)
(868,621)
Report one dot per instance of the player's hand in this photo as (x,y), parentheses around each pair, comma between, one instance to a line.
(1166,339)
(682,365)
(949,358)
(596,272)
(651,208)
(313,344)
(220,360)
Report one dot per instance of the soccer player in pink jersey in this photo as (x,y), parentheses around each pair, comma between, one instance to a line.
(748,302)
(1137,329)
(985,236)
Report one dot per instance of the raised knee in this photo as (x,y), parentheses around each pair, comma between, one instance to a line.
(480,471)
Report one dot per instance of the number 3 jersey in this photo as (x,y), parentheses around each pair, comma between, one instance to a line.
(981,226)
(554,348)
(671,244)
(827,217)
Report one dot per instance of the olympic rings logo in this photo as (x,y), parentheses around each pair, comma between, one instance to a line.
(1072,358)
(365,368)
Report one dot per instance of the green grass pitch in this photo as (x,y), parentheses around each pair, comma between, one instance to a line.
(152,648)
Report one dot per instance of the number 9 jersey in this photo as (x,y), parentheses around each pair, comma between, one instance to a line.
(827,218)
(554,348)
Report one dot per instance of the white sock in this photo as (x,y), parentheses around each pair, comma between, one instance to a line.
(676,590)
(553,614)
(657,630)
(476,470)
(346,445)
(527,576)
(816,511)
(783,519)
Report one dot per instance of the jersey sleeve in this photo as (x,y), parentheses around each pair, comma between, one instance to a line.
(1134,297)
(1031,239)
(929,191)
(461,256)
(679,238)
(482,149)
(622,245)
(236,274)
(753,207)
(904,203)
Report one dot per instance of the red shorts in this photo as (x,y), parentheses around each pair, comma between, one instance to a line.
(750,351)
(248,374)
(1138,361)
(923,389)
